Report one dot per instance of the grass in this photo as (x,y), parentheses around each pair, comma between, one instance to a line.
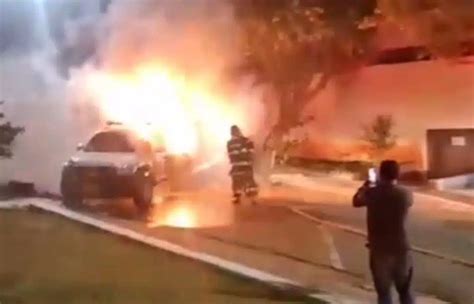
(47,259)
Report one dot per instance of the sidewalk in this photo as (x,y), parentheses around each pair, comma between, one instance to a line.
(465,196)
(344,179)
(347,187)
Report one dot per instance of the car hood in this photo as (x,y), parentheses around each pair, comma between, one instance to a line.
(104,159)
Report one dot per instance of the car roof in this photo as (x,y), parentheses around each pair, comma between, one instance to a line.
(130,134)
(117,129)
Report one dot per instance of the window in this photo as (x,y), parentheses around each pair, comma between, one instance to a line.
(110,142)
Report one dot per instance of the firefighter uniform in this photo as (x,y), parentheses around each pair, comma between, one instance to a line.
(241,150)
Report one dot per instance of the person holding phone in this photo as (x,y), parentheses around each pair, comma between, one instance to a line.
(389,249)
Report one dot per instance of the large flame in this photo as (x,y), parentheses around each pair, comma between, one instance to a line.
(164,106)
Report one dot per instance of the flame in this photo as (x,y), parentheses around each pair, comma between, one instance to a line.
(204,209)
(181,217)
(161,105)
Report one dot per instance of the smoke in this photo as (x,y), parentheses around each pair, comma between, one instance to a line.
(194,39)
(45,71)
(34,94)
(194,36)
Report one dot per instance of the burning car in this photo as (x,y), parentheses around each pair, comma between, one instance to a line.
(114,163)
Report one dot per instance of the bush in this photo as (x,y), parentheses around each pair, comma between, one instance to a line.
(379,134)
(8,133)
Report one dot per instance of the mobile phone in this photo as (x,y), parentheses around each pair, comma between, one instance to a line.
(372,177)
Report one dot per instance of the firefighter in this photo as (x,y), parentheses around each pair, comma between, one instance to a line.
(240,150)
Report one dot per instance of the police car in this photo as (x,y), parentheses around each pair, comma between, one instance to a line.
(114,163)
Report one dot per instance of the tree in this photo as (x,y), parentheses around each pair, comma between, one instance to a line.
(379,134)
(444,26)
(296,47)
(8,133)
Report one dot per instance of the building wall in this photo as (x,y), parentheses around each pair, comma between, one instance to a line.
(419,95)
(450,152)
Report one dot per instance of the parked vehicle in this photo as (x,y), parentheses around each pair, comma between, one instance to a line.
(114,163)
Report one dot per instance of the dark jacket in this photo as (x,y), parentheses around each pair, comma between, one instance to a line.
(240,151)
(387,211)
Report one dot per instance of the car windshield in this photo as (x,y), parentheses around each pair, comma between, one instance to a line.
(111,141)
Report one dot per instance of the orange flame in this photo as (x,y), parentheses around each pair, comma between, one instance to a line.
(181,214)
(181,217)
(160,104)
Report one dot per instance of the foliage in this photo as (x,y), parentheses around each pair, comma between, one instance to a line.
(442,25)
(8,133)
(379,134)
(297,48)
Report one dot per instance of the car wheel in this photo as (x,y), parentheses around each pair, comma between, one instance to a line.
(71,190)
(144,194)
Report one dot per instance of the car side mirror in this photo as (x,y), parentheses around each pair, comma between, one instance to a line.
(80,147)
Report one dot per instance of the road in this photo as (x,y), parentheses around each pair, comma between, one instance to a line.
(443,229)
(272,237)
(283,235)
(434,226)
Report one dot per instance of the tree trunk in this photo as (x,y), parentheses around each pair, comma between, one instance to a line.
(292,101)
(287,118)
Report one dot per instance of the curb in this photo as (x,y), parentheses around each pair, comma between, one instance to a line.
(303,181)
(13,205)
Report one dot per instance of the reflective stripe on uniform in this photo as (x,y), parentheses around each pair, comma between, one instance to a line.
(240,173)
(251,191)
(238,151)
(242,163)
(238,145)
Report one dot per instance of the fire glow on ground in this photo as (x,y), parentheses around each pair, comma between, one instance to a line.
(191,213)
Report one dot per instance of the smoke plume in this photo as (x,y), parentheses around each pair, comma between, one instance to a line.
(48,49)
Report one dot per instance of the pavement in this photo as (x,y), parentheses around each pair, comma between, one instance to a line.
(303,231)
(466,195)
(441,231)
